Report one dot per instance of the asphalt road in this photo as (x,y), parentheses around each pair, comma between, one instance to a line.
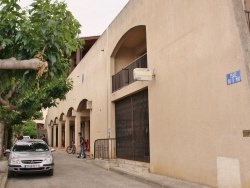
(76,173)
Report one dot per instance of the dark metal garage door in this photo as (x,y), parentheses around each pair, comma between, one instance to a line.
(132,127)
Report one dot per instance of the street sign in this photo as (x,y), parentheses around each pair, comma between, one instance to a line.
(233,77)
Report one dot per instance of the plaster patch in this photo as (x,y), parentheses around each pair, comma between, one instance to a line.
(228,173)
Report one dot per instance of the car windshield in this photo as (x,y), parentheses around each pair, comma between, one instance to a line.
(35,147)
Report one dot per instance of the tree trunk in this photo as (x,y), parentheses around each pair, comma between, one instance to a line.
(2,144)
(14,64)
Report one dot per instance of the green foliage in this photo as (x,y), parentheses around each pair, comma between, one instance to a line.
(29,128)
(24,33)
(16,129)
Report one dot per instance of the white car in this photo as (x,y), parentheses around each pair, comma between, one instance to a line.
(30,156)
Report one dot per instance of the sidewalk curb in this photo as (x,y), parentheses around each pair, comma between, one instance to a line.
(140,179)
(4,180)
(3,171)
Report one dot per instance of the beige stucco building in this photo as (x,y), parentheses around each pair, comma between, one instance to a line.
(191,120)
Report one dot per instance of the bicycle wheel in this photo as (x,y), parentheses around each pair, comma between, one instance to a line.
(69,149)
(73,150)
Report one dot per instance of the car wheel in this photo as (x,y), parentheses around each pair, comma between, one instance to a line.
(11,174)
(50,173)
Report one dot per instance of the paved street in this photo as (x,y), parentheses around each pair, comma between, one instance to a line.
(73,172)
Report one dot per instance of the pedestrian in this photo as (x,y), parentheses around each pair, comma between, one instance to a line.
(82,152)
(44,139)
(20,137)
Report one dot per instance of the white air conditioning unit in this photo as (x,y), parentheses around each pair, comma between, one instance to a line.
(89,105)
(143,74)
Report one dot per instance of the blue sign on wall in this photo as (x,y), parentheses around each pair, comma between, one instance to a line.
(233,77)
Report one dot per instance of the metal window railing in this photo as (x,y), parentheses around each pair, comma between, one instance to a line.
(125,76)
(105,148)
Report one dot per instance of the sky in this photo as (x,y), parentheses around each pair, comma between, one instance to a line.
(93,15)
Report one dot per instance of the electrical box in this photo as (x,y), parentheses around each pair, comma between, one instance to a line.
(143,74)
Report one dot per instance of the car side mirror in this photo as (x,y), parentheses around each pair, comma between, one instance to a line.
(7,153)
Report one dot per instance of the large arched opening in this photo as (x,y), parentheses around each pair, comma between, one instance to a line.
(131,111)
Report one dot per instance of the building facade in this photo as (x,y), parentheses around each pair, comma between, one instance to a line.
(192,120)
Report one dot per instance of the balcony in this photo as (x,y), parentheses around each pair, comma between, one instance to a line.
(125,76)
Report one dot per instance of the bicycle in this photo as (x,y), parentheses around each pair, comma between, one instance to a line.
(71,149)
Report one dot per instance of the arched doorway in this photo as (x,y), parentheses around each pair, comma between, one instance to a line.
(84,108)
(131,112)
